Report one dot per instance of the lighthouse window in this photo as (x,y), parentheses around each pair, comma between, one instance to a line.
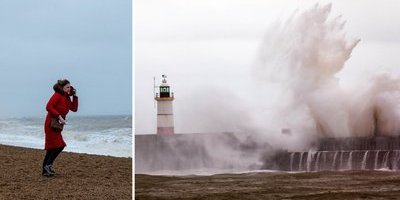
(164,89)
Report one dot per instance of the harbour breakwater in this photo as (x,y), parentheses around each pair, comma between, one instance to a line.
(229,151)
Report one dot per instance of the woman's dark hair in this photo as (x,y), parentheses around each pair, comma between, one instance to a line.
(58,87)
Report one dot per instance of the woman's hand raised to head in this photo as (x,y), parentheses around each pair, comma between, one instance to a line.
(72,91)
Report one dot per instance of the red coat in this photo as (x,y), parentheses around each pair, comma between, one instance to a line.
(58,104)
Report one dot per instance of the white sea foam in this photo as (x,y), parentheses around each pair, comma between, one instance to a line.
(101,135)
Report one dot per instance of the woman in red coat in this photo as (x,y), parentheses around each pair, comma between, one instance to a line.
(58,107)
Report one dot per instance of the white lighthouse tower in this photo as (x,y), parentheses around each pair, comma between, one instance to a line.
(165,114)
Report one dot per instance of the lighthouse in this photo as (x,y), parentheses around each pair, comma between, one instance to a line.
(165,114)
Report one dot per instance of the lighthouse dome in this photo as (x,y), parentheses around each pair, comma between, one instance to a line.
(164,83)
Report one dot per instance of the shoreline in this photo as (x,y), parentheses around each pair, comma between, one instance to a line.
(91,154)
(79,175)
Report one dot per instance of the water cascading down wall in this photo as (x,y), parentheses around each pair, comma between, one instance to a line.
(361,153)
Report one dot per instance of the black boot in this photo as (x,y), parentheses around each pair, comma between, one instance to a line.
(51,169)
(46,171)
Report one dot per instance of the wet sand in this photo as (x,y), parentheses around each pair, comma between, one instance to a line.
(272,185)
(79,176)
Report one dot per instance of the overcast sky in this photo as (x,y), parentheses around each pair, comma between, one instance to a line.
(88,42)
(214,43)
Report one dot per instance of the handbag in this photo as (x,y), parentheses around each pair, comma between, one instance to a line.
(55,124)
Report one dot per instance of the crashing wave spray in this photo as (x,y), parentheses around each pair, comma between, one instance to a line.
(301,57)
(375,107)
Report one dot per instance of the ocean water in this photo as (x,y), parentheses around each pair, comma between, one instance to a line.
(100,135)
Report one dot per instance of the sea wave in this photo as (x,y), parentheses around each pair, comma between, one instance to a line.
(101,135)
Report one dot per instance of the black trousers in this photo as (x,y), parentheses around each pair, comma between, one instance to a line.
(51,155)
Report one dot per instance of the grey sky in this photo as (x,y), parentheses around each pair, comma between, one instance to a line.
(87,42)
(214,43)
